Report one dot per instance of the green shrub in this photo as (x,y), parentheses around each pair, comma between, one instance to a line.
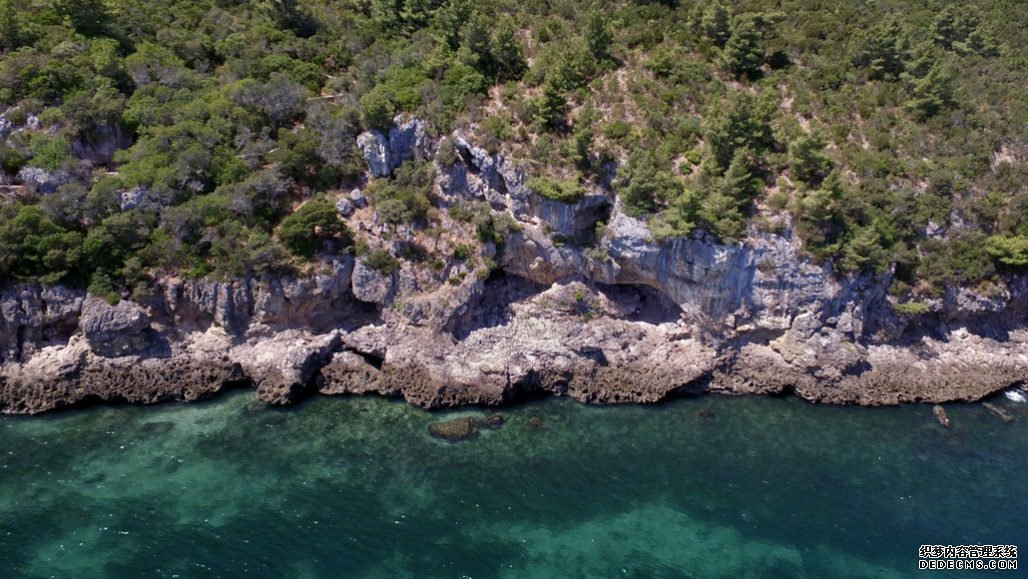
(959,261)
(462,251)
(313,225)
(381,261)
(1010,251)
(563,190)
(49,152)
(32,247)
(446,153)
(11,160)
(378,110)
(404,198)
(910,308)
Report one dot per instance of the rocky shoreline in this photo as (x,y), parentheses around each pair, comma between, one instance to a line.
(616,317)
(595,344)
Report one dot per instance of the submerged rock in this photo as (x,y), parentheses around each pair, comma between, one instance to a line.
(464,428)
(454,430)
(492,421)
(998,412)
(706,414)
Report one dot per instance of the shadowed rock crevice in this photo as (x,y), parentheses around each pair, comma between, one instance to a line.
(493,305)
(640,303)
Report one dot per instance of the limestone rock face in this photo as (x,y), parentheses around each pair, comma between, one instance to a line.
(133,197)
(358,199)
(375,148)
(407,139)
(478,175)
(118,330)
(284,368)
(6,126)
(31,316)
(42,181)
(372,286)
(345,207)
(573,220)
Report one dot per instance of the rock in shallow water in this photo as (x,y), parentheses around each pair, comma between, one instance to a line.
(463,428)
(454,430)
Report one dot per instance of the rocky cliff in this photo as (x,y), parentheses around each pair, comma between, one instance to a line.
(571,299)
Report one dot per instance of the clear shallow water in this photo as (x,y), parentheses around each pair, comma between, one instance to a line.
(340,487)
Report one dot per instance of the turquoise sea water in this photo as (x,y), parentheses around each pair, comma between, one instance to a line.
(355,487)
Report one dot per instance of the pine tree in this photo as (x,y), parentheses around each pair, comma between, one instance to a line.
(736,121)
(743,54)
(866,252)
(716,22)
(476,40)
(982,42)
(738,181)
(551,106)
(584,138)
(884,50)
(598,37)
(507,54)
(932,93)
(953,25)
(922,57)
(386,12)
(819,206)
(449,20)
(642,183)
(89,17)
(415,13)
(807,160)
(722,216)
(10,26)
(1011,251)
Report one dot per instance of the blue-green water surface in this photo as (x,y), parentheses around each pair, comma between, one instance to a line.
(355,487)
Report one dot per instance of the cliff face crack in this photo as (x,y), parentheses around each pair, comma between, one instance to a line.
(20,342)
(369,358)
(468,159)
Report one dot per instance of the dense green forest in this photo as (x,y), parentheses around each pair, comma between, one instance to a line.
(893,132)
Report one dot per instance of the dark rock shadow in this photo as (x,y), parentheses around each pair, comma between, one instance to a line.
(494,306)
(641,303)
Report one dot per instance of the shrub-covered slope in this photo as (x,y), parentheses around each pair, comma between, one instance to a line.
(214,137)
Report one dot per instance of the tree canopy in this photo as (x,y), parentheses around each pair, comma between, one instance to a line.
(210,137)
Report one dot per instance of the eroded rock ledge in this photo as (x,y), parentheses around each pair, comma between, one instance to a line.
(592,342)
(582,303)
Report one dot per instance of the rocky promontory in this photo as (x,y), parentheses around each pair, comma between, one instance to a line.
(571,299)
